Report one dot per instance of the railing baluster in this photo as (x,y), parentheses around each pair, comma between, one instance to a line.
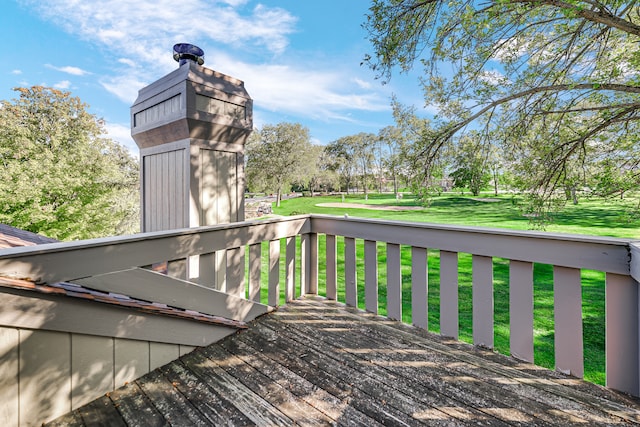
(350,283)
(312,287)
(305,261)
(207,270)
(221,270)
(371,276)
(235,272)
(567,301)
(521,310)
(309,269)
(331,265)
(274,273)
(419,288)
(482,301)
(449,294)
(255,265)
(290,267)
(622,354)
(177,268)
(394,282)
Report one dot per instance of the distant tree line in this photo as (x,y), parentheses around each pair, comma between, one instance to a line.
(281,158)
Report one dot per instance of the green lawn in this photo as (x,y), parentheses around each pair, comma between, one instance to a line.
(594,217)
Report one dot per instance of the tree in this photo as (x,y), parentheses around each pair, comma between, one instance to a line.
(276,157)
(342,160)
(363,144)
(394,140)
(470,166)
(417,134)
(571,70)
(59,176)
(318,173)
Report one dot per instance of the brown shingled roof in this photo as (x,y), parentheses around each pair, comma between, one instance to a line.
(10,237)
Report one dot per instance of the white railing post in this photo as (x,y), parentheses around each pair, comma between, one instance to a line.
(350,272)
(419,288)
(621,343)
(290,269)
(567,309)
(235,272)
(331,267)
(309,259)
(394,282)
(521,310)
(371,276)
(274,273)
(312,287)
(255,264)
(449,294)
(482,290)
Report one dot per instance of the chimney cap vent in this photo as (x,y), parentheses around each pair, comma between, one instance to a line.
(183,52)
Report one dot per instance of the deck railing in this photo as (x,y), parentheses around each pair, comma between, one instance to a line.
(235,258)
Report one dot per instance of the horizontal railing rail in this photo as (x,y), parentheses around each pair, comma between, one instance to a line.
(247,249)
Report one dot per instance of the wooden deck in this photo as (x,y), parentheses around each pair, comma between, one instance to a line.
(316,362)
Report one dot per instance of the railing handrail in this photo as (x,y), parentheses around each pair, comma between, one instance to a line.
(50,262)
(41,262)
(607,254)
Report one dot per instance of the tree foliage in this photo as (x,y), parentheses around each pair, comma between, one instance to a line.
(318,174)
(341,158)
(59,176)
(558,79)
(471,166)
(278,156)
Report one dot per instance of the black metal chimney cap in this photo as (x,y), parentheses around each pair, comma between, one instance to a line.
(183,52)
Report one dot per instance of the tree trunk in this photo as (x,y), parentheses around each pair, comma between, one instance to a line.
(278,197)
(395,185)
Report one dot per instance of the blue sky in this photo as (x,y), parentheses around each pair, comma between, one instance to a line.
(299,59)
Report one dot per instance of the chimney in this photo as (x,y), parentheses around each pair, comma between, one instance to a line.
(191,126)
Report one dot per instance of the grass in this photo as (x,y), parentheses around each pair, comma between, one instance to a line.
(594,217)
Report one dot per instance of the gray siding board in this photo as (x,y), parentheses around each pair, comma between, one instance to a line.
(92,368)
(160,354)
(45,375)
(9,374)
(131,360)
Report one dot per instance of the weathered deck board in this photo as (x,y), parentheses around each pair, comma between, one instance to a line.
(135,408)
(315,362)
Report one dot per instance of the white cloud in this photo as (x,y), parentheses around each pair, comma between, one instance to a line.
(75,71)
(139,36)
(127,61)
(125,87)
(64,84)
(122,134)
(493,77)
(302,92)
(361,83)
(16,72)
(138,28)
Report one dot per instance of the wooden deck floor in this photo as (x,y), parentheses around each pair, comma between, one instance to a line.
(314,362)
